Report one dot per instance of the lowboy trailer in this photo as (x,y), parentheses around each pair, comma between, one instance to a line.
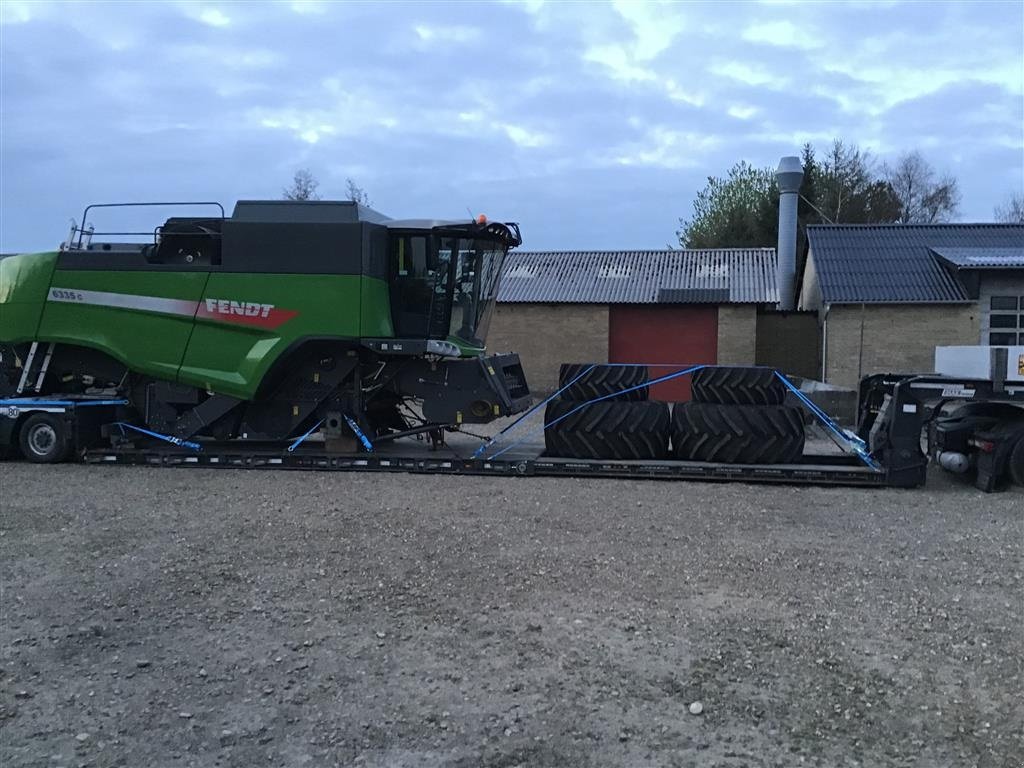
(894,412)
(325,335)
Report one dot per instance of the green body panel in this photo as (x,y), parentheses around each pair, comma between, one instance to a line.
(24,285)
(152,343)
(375,309)
(232,359)
(172,334)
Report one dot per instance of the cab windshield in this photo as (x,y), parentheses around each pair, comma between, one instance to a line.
(443,286)
(476,267)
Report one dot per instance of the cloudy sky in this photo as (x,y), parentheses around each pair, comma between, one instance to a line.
(593,125)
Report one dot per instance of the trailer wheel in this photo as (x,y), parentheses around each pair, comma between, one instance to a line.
(1016,462)
(44,439)
(737,434)
(607,430)
(602,380)
(737,386)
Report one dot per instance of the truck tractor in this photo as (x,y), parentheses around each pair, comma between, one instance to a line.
(285,319)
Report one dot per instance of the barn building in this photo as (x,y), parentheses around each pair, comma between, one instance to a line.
(886,295)
(674,306)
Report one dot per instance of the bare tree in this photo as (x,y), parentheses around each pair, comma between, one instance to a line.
(1012,211)
(846,187)
(924,197)
(304,187)
(357,193)
(845,171)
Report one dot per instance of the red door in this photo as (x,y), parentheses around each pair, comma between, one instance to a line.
(678,334)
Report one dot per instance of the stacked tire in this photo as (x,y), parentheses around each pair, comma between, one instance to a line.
(737,416)
(625,424)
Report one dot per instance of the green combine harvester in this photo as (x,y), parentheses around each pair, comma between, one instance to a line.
(283,320)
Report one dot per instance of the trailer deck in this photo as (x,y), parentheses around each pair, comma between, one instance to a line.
(461,454)
(525,460)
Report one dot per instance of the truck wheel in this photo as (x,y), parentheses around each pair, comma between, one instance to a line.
(737,434)
(603,380)
(44,439)
(737,386)
(1016,462)
(607,430)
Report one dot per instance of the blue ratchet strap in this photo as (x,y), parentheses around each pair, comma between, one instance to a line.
(359,433)
(852,442)
(652,382)
(30,402)
(310,431)
(487,444)
(166,438)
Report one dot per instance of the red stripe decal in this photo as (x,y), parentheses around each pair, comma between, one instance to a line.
(245,313)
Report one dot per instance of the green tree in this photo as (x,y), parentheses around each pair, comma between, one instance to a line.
(736,211)
(848,189)
(741,210)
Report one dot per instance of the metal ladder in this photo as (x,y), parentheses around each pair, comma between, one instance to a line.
(26,372)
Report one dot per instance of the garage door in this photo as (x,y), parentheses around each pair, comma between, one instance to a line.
(683,335)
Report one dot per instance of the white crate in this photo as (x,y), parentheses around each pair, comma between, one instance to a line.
(976,362)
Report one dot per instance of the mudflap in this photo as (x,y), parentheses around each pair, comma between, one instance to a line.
(468,390)
(895,438)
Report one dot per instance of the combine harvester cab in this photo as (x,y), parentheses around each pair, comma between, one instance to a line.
(283,320)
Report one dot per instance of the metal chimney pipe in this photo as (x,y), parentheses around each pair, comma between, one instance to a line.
(788,175)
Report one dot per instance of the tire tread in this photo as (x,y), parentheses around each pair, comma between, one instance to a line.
(607,430)
(737,434)
(723,385)
(603,380)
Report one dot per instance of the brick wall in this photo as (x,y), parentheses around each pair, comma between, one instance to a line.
(898,338)
(547,335)
(789,342)
(737,334)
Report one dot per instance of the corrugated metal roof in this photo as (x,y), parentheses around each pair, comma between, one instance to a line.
(725,276)
(982,258)
(895,263)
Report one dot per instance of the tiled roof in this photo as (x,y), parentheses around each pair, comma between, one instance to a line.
(724,276)
(895,263)
(982,258)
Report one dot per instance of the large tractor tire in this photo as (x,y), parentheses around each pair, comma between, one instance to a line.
(737,386)
(737,434)
(603,380)
(607,430)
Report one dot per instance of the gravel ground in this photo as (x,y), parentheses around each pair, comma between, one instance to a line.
(162,617)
